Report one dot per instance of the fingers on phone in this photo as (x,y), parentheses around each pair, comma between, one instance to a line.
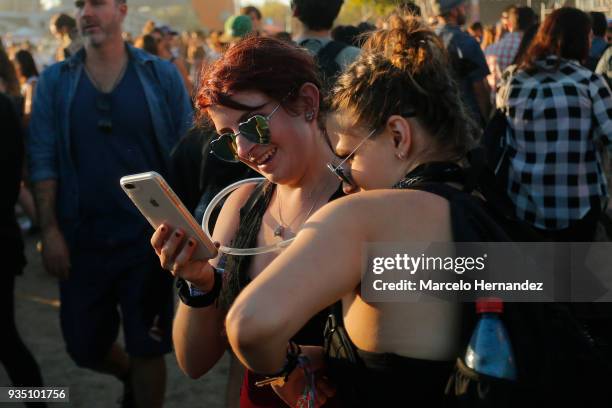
(159,238)
(170,248)
(185,254)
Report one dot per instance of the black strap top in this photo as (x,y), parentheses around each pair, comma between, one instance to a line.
(236,267)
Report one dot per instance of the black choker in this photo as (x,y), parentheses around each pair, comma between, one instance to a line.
(437,172)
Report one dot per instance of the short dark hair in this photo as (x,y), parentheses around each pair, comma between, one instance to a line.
(317,14)
(245,11)
(64,20)
(346,34)
(600,24)
(476,26)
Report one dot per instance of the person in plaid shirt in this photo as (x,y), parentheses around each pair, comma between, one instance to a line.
(558,113)
(501,54)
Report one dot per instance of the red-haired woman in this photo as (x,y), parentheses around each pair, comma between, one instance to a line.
(557,111)
(263,98)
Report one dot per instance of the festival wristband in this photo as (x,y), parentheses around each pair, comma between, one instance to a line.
(194,297)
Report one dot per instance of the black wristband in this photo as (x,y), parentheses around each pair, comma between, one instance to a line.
(204,300)
(291,362)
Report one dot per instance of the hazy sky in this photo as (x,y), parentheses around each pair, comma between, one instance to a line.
(260,1)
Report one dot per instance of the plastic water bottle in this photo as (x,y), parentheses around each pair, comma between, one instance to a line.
(490,351)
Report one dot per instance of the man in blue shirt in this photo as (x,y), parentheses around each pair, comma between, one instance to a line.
(108,111)
(467,58)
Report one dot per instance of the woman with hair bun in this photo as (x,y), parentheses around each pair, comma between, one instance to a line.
(403,134)
(263,98)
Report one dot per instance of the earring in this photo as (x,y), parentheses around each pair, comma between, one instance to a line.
(309,116)
(400,156)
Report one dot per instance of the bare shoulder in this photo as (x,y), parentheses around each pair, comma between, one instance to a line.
(239,197)
(377,214)
(386,200)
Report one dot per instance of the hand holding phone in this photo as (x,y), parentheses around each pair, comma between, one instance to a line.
(159,205)
(175,252)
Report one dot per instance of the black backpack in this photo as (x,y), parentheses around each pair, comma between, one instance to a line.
(563,352)
(326,61)
(562,357)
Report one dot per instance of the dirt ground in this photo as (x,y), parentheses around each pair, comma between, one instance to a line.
(37,316)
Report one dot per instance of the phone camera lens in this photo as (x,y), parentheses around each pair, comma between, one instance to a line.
(129,186)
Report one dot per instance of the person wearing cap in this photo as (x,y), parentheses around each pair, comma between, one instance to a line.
(467,58)
(236,28)
(163,35)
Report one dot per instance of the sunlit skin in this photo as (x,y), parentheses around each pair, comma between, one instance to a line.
(326,255)
(365,163)
(289,140)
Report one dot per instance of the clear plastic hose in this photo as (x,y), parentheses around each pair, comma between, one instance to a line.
(239,251)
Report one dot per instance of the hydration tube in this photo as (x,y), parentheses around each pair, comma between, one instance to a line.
(239,251)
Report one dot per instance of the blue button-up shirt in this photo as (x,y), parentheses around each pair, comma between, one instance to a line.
(49,142)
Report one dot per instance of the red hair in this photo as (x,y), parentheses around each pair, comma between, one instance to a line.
(564,34)
(264,64)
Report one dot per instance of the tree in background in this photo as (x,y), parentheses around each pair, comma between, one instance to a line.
(276,11)
(355,11)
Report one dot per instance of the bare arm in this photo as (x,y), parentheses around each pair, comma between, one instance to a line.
(323,265)
(27,105)
(56,257)
(198,333)
(280,294)
(44,193)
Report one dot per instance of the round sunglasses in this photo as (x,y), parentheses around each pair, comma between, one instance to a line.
(256,129)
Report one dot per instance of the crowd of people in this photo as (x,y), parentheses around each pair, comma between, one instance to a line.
(359,133)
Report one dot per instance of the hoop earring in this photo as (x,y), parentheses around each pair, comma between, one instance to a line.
(310,116)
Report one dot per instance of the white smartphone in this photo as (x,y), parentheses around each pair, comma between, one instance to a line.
(158,203)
